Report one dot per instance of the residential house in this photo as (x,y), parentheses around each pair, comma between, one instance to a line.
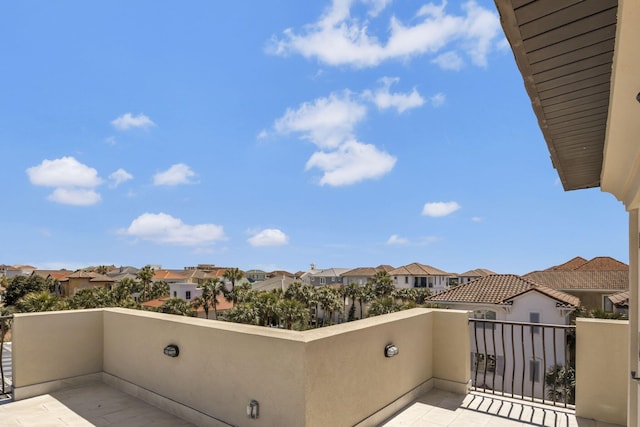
(283,282)
(55,276)
(592,281)
(327,276)
(184,290)
(362,275)
(121,273)
(255,275)
(511,298)
(620,303)
(418,275)
(168,276)
(11,271)
(280,273)
(471,275)
(84,280)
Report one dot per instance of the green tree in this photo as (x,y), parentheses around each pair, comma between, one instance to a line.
(329,300)
(383,305)
(353,291)
(561,384)
(92,298)
(292,312)
(102,269)
(39,301)
(243,313)
(145,276)
(19,286)
(382,284)
(177,306)
(365,295)
(233,275)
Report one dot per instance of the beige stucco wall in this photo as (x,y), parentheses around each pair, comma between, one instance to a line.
(56,345)
(221,366)
(601,369)
(330,376)
(348,376)
(451,347)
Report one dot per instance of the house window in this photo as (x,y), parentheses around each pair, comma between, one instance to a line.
(485,314)
(323,280)
(188,295)
(534,370)
(607,305)
(175,294)
(493,363)
(406,279)
(534,318)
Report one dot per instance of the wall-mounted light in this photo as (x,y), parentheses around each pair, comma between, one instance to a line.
(171,350)
(253,409)
(638,97)
(391,350)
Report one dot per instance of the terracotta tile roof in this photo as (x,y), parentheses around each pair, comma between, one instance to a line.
(500,289)
(568,280)
(92,276)
(364,271)
(600,263)
(478,272)
(603,263)
(167,275)
(621,299)
(572,264)
(417,269)
(279,273)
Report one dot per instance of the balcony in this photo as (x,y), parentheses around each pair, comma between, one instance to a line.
(338,376)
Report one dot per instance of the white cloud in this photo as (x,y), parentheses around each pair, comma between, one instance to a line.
(352,162)
(73,181)
(74,196)
(477,219)
(269,237)
(329,124)
(326,122)
(128,121)
(397,240)
(263,134)
(439,209)
(337,38)
(111,140)
(165,229)
(384,99)
(438,99)
(64,172)
(175,175)
(449,61)
(118,177)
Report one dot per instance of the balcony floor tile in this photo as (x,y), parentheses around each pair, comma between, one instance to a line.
(442,408)
(92,404)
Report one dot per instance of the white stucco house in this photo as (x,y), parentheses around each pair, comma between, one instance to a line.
(416,275)
(184,290)
(510,356)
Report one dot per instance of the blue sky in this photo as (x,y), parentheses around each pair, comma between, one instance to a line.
(277,134)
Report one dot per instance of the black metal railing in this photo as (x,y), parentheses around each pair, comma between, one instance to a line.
(530,361)
(5,360)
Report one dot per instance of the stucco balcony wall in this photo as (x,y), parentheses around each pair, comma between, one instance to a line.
(337,375)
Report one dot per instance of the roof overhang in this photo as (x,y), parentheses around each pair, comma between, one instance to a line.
(581,68)
(564,50)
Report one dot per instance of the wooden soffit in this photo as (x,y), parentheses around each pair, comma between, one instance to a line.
(564,50)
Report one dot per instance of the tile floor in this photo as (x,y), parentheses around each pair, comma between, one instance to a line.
(442,408)
(91,404)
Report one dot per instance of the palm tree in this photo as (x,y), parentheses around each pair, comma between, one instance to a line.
(145,276)
(39,301)
(211,289)
(329,300)
(291,312)
(383,305)
(353,291)
(382,284)
(177,306)
(561,384)
(233,275)
(365,295)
